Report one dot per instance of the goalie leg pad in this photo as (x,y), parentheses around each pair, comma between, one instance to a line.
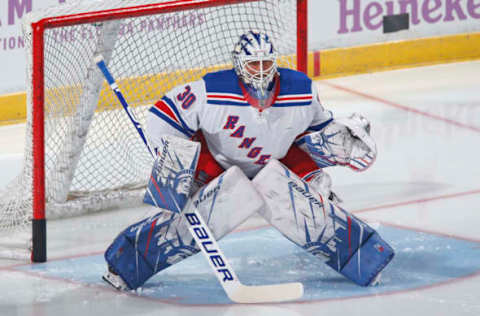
(368,261)
(312,222)
(155,243)
(147,247)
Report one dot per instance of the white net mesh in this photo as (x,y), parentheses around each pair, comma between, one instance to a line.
(94,158)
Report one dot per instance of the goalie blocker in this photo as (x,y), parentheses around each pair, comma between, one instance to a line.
(311,221)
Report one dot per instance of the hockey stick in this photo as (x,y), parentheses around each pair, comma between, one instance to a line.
(235,290)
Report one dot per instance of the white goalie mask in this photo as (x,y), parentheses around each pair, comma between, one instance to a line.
(254,59)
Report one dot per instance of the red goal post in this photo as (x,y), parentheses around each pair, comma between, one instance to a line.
(38,82)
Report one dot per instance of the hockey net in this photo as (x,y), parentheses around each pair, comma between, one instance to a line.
(93,158)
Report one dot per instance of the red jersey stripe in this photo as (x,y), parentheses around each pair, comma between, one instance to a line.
(163,107)
(231,97)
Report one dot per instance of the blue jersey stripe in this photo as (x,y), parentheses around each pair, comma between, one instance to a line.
(174,108)
(319,127)
(171,122)
(281,105)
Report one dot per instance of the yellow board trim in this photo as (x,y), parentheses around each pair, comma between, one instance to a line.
(333,63)
(399,54)
(12,108)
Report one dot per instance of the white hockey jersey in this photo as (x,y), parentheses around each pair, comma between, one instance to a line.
(236,132)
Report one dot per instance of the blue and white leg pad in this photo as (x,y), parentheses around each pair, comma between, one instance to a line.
(159,241)
(368,261)
(148,246)
(311,221)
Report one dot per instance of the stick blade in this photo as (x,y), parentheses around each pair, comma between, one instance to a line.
(266,293)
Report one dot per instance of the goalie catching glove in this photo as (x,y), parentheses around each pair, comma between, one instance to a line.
(345,142)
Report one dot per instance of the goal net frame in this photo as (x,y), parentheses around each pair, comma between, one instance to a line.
(39,231)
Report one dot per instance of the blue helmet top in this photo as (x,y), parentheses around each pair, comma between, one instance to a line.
(254,59)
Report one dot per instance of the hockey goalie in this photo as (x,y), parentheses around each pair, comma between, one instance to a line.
(250,140)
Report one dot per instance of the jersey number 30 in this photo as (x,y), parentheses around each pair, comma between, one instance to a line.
(186,97)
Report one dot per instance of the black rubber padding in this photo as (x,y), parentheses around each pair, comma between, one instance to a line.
(395,23)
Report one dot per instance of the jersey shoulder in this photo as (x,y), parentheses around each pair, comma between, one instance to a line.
(294,82)
(224,81)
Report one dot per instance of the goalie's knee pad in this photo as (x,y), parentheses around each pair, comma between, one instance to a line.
(311,221)
(157,242)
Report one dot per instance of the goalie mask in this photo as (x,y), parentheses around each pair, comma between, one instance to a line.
(254,59)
